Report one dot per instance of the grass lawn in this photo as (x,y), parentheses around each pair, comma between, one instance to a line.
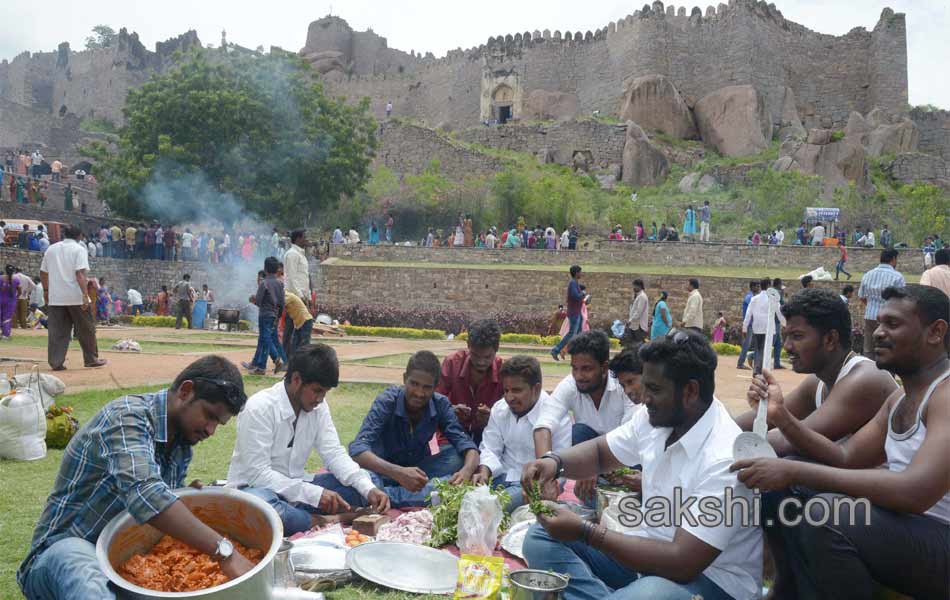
(27,484)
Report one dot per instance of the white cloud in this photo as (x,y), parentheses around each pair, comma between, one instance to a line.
(438,26)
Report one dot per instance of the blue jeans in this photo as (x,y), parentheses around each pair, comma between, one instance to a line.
(295,515)
(777,347)
(514,490)
(67,570)
(596,576)
(441,466)
(581,433)
(574,329)
(267,343)
(746,344)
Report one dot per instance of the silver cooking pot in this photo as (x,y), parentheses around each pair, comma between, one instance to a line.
(235,514)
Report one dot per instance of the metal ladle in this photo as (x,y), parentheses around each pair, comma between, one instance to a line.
(755,443)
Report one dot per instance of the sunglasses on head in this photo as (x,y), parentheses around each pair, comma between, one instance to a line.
(678,336)
(232,393)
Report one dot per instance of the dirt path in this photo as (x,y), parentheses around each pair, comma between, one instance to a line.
(156,367)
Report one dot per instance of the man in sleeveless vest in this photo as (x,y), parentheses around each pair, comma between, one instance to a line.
(890,525)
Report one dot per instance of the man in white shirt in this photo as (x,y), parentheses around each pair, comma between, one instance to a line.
(63,273)
(693,313)
(597,401)
(337,237)
(36,297)
(507,445)
(638,320)
(135,301)
(684,441)
(23,298)
(276,432)
(491,241)
(757,317)
(566,240)
(779,236)
(817,235)
(296,276)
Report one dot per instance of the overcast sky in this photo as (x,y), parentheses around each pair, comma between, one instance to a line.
(437,25)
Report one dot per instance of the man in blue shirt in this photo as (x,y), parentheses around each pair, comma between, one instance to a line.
(754,289)
(393,442)
(575,302)
(873,284)
(130,456)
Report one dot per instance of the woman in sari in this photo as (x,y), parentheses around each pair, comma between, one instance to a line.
(662,320)
(689,224)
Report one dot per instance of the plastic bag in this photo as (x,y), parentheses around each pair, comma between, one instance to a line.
(43,385)
(22,426)
(479,518)
(480,577)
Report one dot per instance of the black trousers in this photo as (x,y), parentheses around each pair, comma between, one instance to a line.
(758,342)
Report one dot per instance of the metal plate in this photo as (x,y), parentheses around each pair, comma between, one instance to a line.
(317,556)
(514,539)
(405,567)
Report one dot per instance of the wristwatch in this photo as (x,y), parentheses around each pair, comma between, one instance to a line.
(224,550)
(557,459)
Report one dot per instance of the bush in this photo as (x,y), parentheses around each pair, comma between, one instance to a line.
(447,320)
(724,349)
(396,332)
(143,321)
(537,340)
(837,135)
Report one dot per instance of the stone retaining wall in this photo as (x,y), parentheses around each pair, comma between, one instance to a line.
(648,253)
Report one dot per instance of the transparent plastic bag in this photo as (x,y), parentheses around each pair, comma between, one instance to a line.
(479,518)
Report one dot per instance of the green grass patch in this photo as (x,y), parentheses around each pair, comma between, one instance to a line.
(27,484)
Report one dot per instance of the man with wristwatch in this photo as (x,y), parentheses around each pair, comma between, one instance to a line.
(131,456)
(684,441)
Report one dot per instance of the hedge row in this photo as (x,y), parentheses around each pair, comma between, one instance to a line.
(537,340)
(449,321)
(143,321)
(395,332)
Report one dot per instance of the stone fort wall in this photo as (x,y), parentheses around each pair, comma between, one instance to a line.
(746,41)
(934,127)
(606,252)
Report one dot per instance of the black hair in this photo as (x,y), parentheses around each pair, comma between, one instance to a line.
(932,304)
(847,290)
(484,333)
(525,367)
(164,288)
(215,380)
(694,283)
(765,283)
(823,310)
(186,277)
(72,232)
(10,270)
(316,363)
(942,257)
(425,361)
(271,265)
(753,285)
(692,358)
(595,344)
(777,283)
(806,280)
(639,284)
(575,269)
(627,361)
(262,273)
(888,255)
(296,234)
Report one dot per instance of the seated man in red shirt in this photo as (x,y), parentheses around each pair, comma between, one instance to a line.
(470,377)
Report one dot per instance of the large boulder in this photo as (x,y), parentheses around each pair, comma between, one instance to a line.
(545,105)
(894,138)
(655,104)
(838,163)
(857,129)
(688,182)
(642,163)
(789,123)
(735,121)
(326,61)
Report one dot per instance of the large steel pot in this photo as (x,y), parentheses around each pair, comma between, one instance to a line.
(532,584)
(235,514)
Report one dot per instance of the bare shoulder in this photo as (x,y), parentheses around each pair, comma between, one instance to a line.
(939,403)
(866,378)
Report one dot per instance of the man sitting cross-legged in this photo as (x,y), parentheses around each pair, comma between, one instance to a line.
(890,525)
(276,433)
(393,442)
(684,441)
(598,401)
(507,443)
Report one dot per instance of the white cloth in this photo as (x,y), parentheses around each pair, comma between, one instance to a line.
(615,407)
(900,448)
(639,317)
(135,298)
(508,442)
(61,262)
(26,286)
(693,313)
(818,235)
(186,240)
(263,459)
(697,464)
(91,249)
(297,272)
(491,241)
(758,314)
(565,239)
(36,296)
(780,237)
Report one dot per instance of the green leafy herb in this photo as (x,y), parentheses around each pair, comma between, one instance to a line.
(535,504)
(445,515)
(622,471)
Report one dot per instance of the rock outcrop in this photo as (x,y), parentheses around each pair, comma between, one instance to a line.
(893,138)
(545,105)
(642,163)
(838,162)
(735,121)
(789,123)
(654,103)
(916,167)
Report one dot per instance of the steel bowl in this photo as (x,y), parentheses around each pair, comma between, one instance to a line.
(532,584)
(235,514)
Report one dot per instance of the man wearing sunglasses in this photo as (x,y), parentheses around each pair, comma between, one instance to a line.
(275,436)
(131,456)
(684,441)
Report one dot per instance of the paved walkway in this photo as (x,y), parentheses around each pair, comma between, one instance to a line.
(158,367)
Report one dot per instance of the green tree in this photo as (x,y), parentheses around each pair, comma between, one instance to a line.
(928,208)
(254,133)
(102,36)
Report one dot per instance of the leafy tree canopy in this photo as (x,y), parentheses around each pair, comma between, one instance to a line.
(221,134)
(102,36)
